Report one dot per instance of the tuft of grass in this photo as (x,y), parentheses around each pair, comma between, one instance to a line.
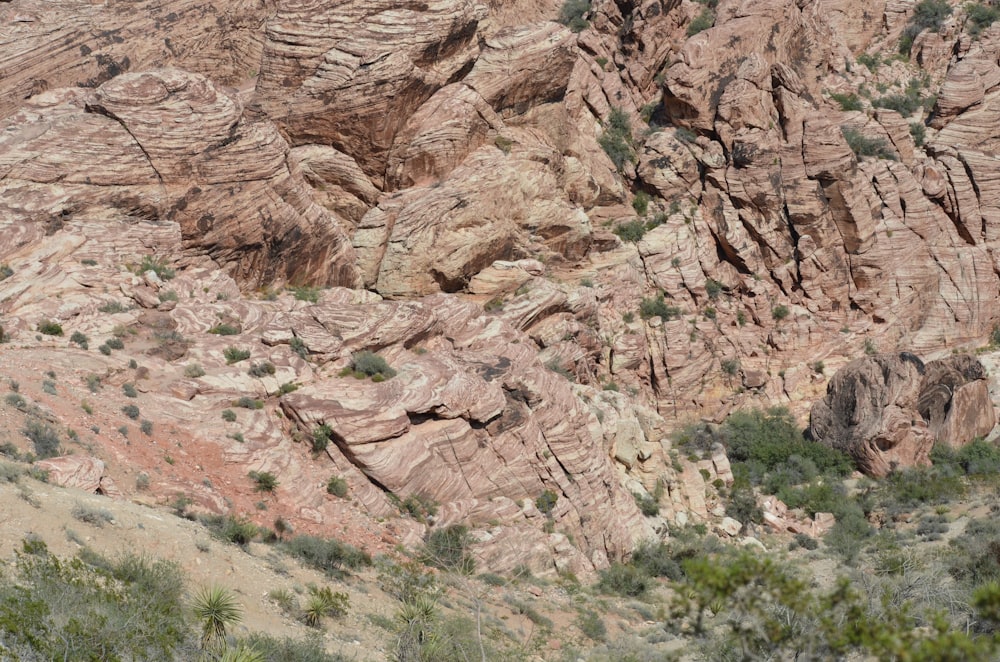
(49,328)
(306,293)
(262,369)
(265,481)
(223,329)
(158,266)
(235,354)
(193,371)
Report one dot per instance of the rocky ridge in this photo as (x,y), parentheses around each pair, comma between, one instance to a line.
(447,158)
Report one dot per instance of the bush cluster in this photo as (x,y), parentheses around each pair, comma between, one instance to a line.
(862,145)
(616,141)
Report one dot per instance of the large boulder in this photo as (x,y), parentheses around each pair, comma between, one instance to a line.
(887,411)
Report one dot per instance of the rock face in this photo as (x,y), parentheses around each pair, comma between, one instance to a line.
(170,146)
(889,410)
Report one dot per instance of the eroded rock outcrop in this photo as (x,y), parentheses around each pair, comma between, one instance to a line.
(889,410)
(170,146)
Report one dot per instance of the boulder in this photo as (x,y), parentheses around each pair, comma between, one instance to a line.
(887,411)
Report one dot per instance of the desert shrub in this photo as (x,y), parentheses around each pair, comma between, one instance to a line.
(631,231)
(979,17)
(237,530)
(43,436)
(648,505)
(115,343)
(702,22)
(288,387)
(818,496)
(146,427)
(306,293)
(869,61)
(918,132)
(104,349)
(764,441)
(742,503)
(419,507)
(262,369)
(337,486)
(5,271)
(129,390)
(906,489)
(850,532)
(862,145)
(847,101)
(235,354)
(49,386)
(265,481)
(131,411)
(298,346)
(9,473)
(974,556)
(158,266)
(246,402)
(125,609)
(657,307)
(978,458)
(591,625)
(80,339)
(640,203)
(193,371)
(371,364)
(17,401)
(92,514)
(112,307)
(573,14)
(616,141)
(546,501)
(904,104)
(228,415)
(273,649)
(168,295)
(622,579)
(447,549)
(780,312)
(50,328)
(223,329)
(328,555)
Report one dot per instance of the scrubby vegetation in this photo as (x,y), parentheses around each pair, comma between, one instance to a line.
(927,15)
(862,145)
(368,364)
(616,141)
(573,14)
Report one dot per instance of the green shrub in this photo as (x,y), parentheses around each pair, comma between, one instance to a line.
(115,343)
(573,14)
(131,411)
(847,102)
(129,390)
(125,609)
(702,22)
(306,293)
(272,649)
(621,579)
(223,329)
(5,271)
(328,555)
(850,532)
(228,415)
(288,387)
(237,530)
(43,436)
(337,486)
(168,295)
(193,371)
(657,307)
(104,349)
(861,145)
(616,141)
(146,427)
(298,346)
(321,437)
(919,133)
(265,481)
(904,104)
(247,402)
(979,17)
(371,364)
(50,328)
(156,265)
(323,602)
(591,625)
(235,354)
(631,231)
(648,505)
(640,203)
(978,458)
(262,369)
(448,549)
(80,339)
(869,61)
(418,507)
(546,501)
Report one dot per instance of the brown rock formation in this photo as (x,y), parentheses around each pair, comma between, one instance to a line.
(889,410)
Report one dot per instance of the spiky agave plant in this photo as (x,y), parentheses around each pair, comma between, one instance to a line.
(241,654)
(217,609)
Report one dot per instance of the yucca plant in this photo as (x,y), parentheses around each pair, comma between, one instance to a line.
(323,602)
(217,609)
(241,654)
